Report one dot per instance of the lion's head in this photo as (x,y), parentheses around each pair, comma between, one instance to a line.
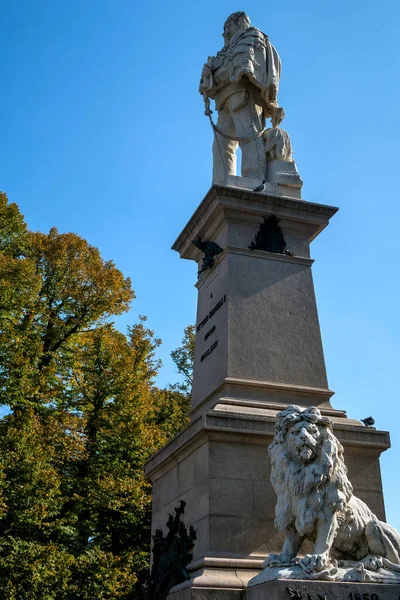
(307,468)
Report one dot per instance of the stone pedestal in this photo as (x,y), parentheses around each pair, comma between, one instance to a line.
(258,349)
(258,337)
(319,590)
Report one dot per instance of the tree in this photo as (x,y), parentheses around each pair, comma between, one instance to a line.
(111,388)
(183,357)
(173,403)
(85,415)
(52,287)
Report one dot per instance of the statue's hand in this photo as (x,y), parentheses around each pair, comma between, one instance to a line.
(205,79)
(373,563)
(277,560)
(206,72)
(314,563)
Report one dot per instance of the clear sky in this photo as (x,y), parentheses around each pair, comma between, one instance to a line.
(103,133)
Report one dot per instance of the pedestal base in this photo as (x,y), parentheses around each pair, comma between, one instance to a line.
(320,590)
(206,594)
(298,590)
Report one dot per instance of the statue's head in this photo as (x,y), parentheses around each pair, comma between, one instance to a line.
(234,24)
(302,432)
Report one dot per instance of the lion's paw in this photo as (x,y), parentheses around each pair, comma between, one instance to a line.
(372,562)
(276,560)
(314,563)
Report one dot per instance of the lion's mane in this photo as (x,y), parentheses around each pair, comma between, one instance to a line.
(303,489)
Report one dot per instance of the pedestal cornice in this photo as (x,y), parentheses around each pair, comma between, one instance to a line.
(225,424)
(261,254)
(227,203)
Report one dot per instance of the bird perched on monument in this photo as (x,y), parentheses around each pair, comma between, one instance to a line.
(260,188)
(210,250)
(368,422)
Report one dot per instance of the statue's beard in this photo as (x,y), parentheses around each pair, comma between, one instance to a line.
(306,452)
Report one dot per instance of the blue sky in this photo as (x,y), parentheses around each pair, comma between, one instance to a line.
(103,133)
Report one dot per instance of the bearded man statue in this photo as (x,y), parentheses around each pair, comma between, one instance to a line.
(243,79)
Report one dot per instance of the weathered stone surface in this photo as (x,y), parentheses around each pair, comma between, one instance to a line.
(285,175)
(239,461)
(206,594)
(217,577)
(278,145)
(281,168)
(313,590)
(315,501)
(231,215)
(272,310)
(266,327)
(257,317)
(345,572)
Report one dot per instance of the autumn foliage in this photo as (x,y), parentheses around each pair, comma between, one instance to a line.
(84,415)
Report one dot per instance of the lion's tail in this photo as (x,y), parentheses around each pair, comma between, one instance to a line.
(390,540)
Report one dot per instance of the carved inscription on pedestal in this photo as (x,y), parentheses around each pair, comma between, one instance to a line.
(212,330)
(363,596)
(209,332)
(212,312)
(208,352)
(295,594)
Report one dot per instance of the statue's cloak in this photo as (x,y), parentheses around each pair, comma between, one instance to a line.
(249,57)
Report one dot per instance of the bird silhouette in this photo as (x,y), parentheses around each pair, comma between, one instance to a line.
(368,422)
(260,188)
(210,251)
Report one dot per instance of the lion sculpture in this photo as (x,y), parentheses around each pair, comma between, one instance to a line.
(316,501)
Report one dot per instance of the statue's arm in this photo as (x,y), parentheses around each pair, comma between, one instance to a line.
(206,79)
(290,548)
(326,530)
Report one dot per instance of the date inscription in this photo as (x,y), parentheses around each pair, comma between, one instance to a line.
(295,594)
(363,596)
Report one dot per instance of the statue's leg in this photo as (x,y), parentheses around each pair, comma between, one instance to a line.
(249,121)
(224,150)
(326,530)
(291,546)
(378,549)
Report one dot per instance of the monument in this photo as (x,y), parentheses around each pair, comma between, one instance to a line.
(259,376)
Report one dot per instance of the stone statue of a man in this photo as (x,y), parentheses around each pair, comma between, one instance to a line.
(243,79)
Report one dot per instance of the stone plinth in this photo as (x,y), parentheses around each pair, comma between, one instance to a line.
(316,590)
(206,594)
(258,336)
(283,180)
